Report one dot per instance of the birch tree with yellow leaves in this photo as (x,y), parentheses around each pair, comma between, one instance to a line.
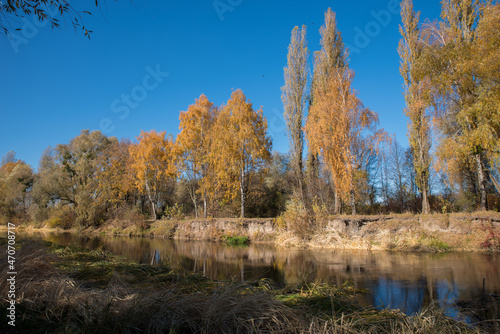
(240,147)
(154,160)
(194,142)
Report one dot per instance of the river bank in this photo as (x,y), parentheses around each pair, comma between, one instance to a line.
(463,232)
(71,289)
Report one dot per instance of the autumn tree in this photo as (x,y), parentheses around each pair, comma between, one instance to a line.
(194,142)
(77,162)
(114,178)
(337,128)
(416,97)
(154,160)
(330,59)
(16,181)
(240,148)
(294,97)
(460,61)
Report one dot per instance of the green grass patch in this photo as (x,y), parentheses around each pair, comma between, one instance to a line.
(439,245)
(236,240)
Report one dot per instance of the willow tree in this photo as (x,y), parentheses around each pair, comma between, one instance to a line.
(328,62)
(465,87)
(240,147)
(294,97)
(194,144)
(410,50)
(154,164)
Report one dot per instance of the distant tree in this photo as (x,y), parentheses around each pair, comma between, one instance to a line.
(8,157)
(154,160)
(43,10)
(294,97)
(241,147)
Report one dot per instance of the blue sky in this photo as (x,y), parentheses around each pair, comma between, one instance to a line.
(148,60)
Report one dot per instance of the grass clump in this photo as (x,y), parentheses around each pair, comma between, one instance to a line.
(236,240)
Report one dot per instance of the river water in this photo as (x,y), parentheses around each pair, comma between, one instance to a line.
(405,281)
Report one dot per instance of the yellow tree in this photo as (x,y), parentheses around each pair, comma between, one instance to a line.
(461,62)
(240,147)
(194,144)
(410,51)
(341,131)
(154,160)
(294,97)
(327,62)
(114,177)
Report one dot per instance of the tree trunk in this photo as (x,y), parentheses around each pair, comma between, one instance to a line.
(424,180)
(482,180)
(336,202)
(353,203)
(425,201)
(204,207)
(242,191)
(192,194)
(151,200)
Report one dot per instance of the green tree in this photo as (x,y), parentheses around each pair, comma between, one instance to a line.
(294,97)
(410,50)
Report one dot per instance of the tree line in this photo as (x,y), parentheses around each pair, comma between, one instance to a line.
(221,163)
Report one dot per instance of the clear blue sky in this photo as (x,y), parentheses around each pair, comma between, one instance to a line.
(164,54)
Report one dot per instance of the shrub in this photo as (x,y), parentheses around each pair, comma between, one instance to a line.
(297,220)
(492,241)
(63,217)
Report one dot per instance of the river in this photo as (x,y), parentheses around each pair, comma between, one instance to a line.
(405,281)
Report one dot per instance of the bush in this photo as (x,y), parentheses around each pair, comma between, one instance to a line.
(63,217)
(492,241)
(297,220)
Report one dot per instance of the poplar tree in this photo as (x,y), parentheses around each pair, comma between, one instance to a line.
(294,97)
(410,51)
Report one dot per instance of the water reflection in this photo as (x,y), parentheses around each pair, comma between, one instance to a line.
(396,280)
